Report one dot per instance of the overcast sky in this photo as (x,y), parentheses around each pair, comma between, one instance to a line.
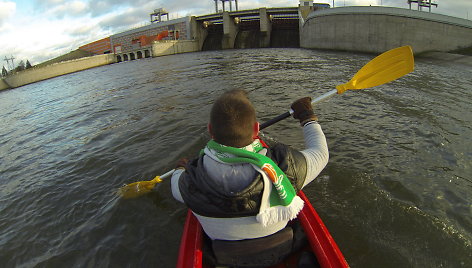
(38,30)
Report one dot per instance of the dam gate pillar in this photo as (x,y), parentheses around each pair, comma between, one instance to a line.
(230,30)
(199,32)
(265,28)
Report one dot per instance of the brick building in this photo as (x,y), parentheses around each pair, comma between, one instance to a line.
(102,46)
(141,38)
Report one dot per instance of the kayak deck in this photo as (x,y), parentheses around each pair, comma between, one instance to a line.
(321,242)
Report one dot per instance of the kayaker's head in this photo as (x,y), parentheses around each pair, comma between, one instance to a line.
(233,119)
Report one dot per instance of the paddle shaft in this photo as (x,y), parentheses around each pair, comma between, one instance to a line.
(289,113)
(167,174)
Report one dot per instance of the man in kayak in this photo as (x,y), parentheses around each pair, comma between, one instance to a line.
(238,188)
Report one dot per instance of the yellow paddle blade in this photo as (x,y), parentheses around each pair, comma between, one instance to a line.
(139,188)
(386,67)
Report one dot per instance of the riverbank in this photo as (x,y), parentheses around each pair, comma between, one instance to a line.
(162,48)
(42,73)
(3,85)
(159,49)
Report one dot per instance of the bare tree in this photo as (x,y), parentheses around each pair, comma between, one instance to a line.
(21,66)
(4,72)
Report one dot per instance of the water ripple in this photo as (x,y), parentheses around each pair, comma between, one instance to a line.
(396,191)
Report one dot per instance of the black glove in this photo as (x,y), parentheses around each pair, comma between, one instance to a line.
(303,111)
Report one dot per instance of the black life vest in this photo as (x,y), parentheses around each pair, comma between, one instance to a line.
(204,198)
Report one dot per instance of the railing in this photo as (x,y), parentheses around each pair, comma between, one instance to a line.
(250,13)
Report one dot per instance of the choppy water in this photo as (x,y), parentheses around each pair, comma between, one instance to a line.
(396,192)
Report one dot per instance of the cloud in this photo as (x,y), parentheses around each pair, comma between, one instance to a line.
(60,9)
(92,8)
(49,38)
(74,8)
(125,19)
(81,30)
(7,10)
(98,8)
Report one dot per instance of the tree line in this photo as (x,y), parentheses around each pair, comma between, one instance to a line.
(21,66)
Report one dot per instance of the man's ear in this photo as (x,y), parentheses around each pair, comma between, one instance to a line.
(255,130)
(210,130)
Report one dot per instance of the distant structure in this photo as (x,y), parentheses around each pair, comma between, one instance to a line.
(98,47)
(11,65)
(422,3)
(307,6)
(156,17)
(305,3)
(223,4)
(316,6)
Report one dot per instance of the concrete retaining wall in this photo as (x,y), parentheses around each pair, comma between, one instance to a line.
(37,74)
(377,29)
(3,85)
(163,48)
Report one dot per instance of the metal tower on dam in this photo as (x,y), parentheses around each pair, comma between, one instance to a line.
(223,5)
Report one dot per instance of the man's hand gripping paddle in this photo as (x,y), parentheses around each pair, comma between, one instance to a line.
(386,67)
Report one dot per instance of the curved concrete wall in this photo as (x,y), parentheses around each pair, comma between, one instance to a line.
(3,84)
(377,29)
(42,73)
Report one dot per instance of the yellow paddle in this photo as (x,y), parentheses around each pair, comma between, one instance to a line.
(386,67)
(139,188)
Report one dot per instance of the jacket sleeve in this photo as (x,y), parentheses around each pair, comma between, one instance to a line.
(316,152)
(174,184)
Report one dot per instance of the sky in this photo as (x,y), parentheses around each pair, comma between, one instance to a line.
(38,30)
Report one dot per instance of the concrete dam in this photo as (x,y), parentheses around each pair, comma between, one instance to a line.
(357,29)
(377,29)
(258,28)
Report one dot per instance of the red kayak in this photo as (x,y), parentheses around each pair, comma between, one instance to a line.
(321,244)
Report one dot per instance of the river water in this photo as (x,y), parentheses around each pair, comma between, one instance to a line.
(396,191)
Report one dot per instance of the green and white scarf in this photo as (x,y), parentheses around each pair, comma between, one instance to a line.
(279,199)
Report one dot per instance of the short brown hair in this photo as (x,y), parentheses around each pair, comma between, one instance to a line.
(232,119)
